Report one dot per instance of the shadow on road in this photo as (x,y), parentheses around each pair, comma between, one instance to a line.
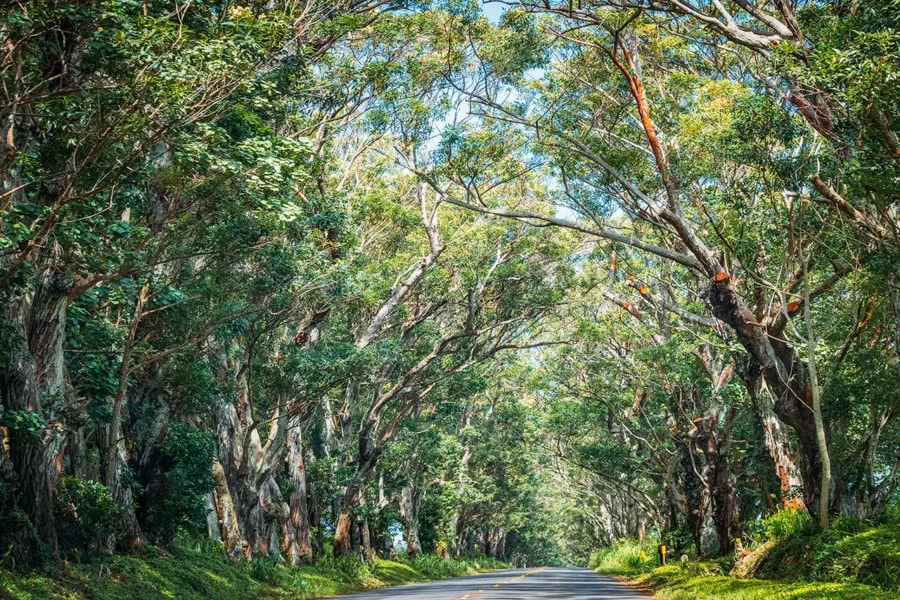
(524,584)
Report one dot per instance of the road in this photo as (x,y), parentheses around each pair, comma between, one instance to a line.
(519,584)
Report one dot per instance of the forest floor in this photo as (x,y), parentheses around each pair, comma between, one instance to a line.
(203,572)
(800,564)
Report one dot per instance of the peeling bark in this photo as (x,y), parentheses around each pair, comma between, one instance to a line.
(409,516)
(298,544)
(33,381)
(784,374)
(229,528)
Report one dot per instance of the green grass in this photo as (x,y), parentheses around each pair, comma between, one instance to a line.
(841,554)
(623,557)
(796,562)
(201,571)
(673,582)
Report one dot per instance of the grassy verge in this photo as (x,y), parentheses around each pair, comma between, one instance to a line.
(710,580)
(203,572)
(700,581)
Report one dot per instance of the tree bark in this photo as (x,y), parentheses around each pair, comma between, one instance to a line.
(409,516)
(784,374)
(33,381)
(366,458)
(815,392)
(695,494)
(719,478)
(299,546)
(230,531)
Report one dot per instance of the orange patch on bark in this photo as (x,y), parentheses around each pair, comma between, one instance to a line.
(784,479)
(720,277)
(4,440)
(795,503)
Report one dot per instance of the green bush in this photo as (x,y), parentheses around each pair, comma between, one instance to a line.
(435,567)
(784,524)
(198,569)
(88,515)
(623,557)
(849,551)
(186,457)
(870,557)
(264,570)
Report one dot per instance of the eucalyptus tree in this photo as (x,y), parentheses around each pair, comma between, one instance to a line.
(126,128)
(634,120)
(452,327)
(802,54)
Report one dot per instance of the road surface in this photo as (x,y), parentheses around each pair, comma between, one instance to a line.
(518,584)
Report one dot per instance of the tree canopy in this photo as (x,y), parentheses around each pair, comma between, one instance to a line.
(322,278)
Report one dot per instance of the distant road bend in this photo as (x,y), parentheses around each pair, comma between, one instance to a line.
(518,584)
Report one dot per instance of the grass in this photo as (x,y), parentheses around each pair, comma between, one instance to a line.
(846,552)
(674,582)
(201,571)
(797,562)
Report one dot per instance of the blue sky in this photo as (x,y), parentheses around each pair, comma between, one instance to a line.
(493,11)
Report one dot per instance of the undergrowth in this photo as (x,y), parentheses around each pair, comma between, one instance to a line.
(196,570)
(792,559)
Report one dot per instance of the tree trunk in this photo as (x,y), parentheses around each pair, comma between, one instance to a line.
(33,381)
(343,543)
(230,531)
(784,373)
(721,487)
(409,516)
(366,458)
(315,521)
(500,549)
(247,466)
(778,445)
(212,522)
(816,396)
(468,452)
(229,475)
(299,546)
(695,494)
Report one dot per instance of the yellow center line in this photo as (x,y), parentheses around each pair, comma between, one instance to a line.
(496,585)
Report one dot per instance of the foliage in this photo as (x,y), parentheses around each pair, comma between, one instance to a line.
(675,583)
(187,455)
(784,524)
(797,562)
(623,557)
(89,515)
(865,555)
(197,570)
(313,276)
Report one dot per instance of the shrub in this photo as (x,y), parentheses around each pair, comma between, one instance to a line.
(784,523)
(623,557)
(870,558)
(186,457)
(88,514)
(264,570)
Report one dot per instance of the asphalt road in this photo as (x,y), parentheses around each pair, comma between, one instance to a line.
(524,584)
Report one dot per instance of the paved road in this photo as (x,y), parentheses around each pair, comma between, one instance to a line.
(519,584)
